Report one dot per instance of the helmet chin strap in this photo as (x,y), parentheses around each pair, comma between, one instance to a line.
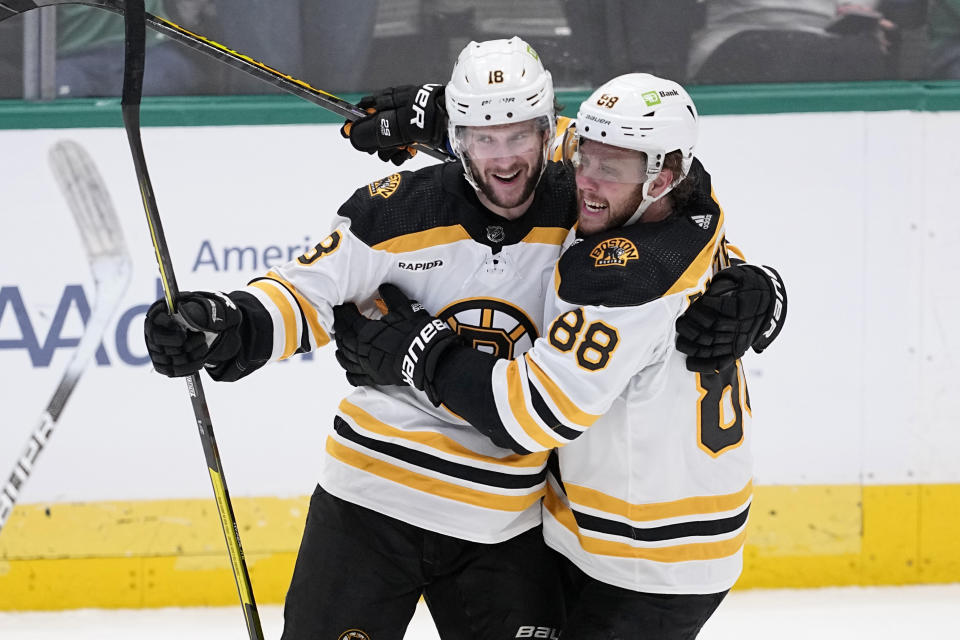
(647,200)
(468,172)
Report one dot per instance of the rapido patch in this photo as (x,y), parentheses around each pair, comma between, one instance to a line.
(614,252)
(384,187)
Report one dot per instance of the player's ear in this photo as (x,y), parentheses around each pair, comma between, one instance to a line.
(664,180)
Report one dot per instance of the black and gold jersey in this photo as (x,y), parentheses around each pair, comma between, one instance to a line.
(427,233)
(655,475)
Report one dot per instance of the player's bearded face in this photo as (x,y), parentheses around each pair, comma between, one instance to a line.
(506,161)
(609,185)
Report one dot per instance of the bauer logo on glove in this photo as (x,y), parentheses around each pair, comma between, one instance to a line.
(419,344)
(402,348)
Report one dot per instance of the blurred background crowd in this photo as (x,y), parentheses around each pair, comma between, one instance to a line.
(350,46)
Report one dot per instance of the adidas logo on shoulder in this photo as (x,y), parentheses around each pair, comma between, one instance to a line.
(702,221)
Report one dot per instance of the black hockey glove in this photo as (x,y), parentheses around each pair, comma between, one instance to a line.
(399,117)
(347,323)
(402,348)
(744,306)
(212,335)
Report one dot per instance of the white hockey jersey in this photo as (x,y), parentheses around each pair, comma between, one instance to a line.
(424,231)
(655,469)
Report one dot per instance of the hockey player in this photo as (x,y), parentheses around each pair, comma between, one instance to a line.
(411,499)
(650,500)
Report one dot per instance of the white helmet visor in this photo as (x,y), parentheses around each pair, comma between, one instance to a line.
(606,163)
(523,138)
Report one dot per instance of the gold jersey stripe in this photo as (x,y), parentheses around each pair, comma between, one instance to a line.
(546,235)
(736,251)
(436,440)
(713,196)
(675,553)
(571,412)
(743,389)
(518,406)
(563,123)
(286,312)
(701,265)
(430,485)
(309,311)
(455,415)
(731,248)
(693,506)
(423,239)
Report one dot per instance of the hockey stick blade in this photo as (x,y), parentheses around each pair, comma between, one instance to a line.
(349,111)
(96,219)
(89,201)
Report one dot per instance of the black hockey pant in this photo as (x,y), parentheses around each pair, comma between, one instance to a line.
(602,611)
(359,575)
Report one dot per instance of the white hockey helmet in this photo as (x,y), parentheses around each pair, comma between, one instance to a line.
(498,82)
(645,113)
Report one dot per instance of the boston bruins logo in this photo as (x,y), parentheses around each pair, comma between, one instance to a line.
(385,187)
(492,326)
(614,252)
(354,634)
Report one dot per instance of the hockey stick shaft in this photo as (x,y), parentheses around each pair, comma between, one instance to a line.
(102,237)
(24,465)
(347,110)
(134,55)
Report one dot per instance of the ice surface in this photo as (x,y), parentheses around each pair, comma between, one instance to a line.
(874,613)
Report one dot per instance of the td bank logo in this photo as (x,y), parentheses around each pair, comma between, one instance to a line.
(651,98)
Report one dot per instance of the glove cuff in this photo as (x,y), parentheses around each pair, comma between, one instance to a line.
(777,312)
(433,357)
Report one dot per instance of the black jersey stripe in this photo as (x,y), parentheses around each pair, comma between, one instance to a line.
(433,463)
(304,325)
(665,532)
(547,416)
(553,468)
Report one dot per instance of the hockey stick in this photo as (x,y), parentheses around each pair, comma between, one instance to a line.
(133,64)
(106,250)
(10,8)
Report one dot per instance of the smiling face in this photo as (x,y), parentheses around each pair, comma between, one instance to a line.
(506,162)
(609,185)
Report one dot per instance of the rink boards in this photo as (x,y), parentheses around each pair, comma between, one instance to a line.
(162,553)
(854,407)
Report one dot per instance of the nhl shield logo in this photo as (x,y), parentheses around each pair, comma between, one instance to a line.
(615,252)
(495,234)
(385,187)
